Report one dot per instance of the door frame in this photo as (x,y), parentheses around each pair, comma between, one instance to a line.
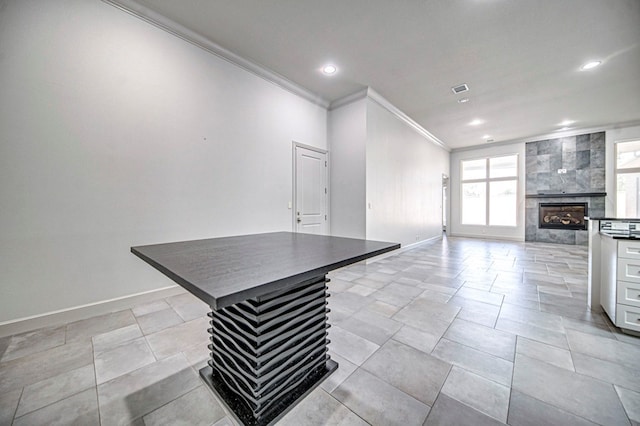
(444,208)
(294,185)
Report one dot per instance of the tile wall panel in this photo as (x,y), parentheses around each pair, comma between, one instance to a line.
(583,157)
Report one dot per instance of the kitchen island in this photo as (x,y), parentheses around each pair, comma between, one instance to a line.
(267,294)
(614,270)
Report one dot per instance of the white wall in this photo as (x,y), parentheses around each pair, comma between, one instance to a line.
(404,180)
(502,232)
(613,136)
(348,137)
(114,133)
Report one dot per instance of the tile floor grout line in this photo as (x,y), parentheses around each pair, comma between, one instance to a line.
(95,378)
(513,374)
(330,394)
(440,392)
(15,411)
(556,407)
(615,389)
(54,402)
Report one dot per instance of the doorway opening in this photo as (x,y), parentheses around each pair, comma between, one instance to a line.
(443,207)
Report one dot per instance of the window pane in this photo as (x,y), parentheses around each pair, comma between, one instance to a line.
(474,202)
(502,203)
(627,195)
(503,166)
(627,155)
(474,169)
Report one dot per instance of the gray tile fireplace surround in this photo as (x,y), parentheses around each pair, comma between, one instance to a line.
(583,158)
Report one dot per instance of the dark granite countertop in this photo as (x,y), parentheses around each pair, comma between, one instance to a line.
(622,219)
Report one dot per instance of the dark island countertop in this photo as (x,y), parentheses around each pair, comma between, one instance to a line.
(228,270)
(621,219)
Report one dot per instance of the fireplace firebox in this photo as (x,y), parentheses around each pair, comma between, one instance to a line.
(562,216)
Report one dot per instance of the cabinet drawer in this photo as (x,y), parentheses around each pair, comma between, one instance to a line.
(628,317)
(629,249)
(629,270)
(629,293)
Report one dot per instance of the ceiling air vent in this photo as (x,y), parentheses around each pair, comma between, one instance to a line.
(460,88)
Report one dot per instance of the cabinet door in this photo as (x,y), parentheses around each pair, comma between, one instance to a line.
(629,270)
(629,249)
(628,317)
(629,293)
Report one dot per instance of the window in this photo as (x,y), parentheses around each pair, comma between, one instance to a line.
(489,189)
(627,179)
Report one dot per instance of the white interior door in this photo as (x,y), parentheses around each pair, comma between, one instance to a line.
(311,191)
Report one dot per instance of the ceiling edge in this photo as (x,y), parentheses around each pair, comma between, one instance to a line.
(166,24)
(554,135)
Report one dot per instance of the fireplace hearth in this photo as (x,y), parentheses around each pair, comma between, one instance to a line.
(562,216)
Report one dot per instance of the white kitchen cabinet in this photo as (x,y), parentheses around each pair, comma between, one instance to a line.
(620,281)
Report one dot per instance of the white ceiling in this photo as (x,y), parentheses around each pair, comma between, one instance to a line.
(521,59)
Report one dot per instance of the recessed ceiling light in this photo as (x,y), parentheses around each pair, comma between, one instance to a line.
(566,122)
(329,69)
(476,122)
(463,100)
(590,65)
(486,137)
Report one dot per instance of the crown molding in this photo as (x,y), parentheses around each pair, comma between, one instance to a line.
(579,131)
(180,31)
(354,97)
(380,100)
(174,28)
(553,135)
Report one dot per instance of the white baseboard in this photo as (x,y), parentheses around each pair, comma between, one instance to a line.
(65,316)
(403,248)
(419,243)
(487,237)
(76,313)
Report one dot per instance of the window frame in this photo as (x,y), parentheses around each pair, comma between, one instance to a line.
(487,180)
(621,171)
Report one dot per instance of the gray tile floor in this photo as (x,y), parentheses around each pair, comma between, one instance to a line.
(453,332)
